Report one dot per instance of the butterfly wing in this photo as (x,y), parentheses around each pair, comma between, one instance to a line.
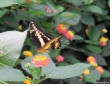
(38,35)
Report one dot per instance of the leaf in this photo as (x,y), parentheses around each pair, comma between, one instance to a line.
(6,3)
(74,2)
(10,74)
(94,33)
(11,43)
(77,37)
(87,18)
(2,12)
(45,70)
(95,9)
(106,74)
(93,77)
(92,42)
(106,50)
(68,71)
(94,48)
(68,18)
(101,61)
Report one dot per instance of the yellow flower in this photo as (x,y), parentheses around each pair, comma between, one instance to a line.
(27,82)
(104,30)
(40,60)
(86,72)
(103,41)
(27,53)
(91,59)
(94,64)
(20,27)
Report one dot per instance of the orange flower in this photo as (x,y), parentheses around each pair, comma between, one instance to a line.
(91,59)
(27,53)
(62,28)
(28,1)
(103,41)
(86,72)
(41,60)
(60,58)
(69,35)
(100,69)
(86,31)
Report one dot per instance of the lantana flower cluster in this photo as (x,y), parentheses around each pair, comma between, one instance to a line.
(103,41)
(92,60)
(62,29)
(40,60)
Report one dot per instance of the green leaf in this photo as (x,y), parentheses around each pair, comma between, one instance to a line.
(94,33)
(68,18)
(106,74)
(94,49)
(95,9)
(74,2)
(6,3)
(11,43)
(45,70)
(77,37)
(63,72)
(87,18)
(100,60)
(93,77)
(108,3)
(92,42)
(106,50)
(10,74)
(2,12)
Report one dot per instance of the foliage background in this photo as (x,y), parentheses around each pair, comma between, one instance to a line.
(94,13)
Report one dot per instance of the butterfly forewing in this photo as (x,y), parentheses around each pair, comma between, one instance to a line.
(38,35)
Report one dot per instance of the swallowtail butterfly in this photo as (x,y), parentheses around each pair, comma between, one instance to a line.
(43,41)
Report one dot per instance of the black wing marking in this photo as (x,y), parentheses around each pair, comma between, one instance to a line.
(38,35)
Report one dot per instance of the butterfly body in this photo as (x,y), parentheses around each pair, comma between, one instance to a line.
(43,40)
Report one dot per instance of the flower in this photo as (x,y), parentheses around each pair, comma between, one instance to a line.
(20,27)
(104,30)
(27,82)
(27,64)
(86,31)
(60,58)
(100,69)
(62,28)
(41,60)
(27,53)
(91,59)
(103,41)
(1,52)
(86,72)
(69,35)
(28,1)
(94,64)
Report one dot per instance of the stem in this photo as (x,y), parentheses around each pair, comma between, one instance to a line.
(2,82)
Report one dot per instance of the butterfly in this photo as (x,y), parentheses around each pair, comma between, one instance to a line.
(43,40)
